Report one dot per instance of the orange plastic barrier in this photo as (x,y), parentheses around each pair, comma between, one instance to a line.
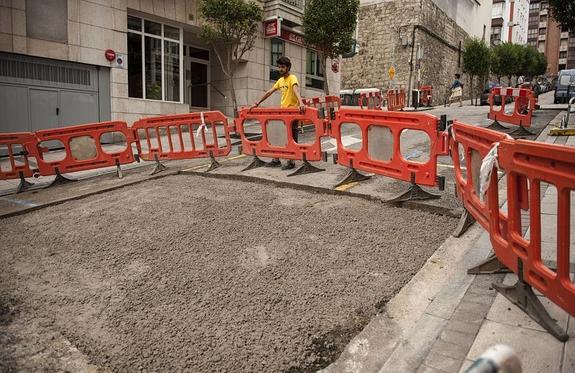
(426,95)
(267,117)
(89,153)
(20,153)
(523,108)
(471,144)
(538,162)
(395,99)
(370,100)
(391,125)
(327,104)
(183,136)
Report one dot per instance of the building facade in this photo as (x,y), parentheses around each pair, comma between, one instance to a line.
(509,21)
(545,34)
(66,62)
(421,39)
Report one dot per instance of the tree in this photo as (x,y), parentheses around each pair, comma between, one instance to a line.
(534,63)
(231,27)
(329,26)
(476,60)
(564,12)
(505,60)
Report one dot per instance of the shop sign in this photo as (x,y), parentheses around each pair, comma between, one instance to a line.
(272,27)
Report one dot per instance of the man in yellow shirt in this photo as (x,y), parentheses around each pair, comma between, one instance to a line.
(289,87)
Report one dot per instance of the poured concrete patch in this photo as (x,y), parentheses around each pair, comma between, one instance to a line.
(199,274)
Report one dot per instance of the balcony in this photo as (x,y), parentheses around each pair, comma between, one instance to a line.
(290,10)
(541,37)
(563,48)
(542,24)
(543,12)
(565,35)
(562,61)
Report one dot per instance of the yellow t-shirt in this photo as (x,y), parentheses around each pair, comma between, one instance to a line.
(285,85)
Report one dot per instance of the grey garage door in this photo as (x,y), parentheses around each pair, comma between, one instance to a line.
(38,93)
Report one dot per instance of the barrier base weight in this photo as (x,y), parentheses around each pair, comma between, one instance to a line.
(522,295)
(159,167)
(465,222)
(213,163)
(61,180)
(414,193)
(256,163)
(521,132)
(24,184)
(489,266)
(306,168)
(119,173)
(497,126)
(352,176)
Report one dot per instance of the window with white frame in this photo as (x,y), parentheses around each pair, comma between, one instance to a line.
(154,60)
(314,72)
(277,51)
(497,10)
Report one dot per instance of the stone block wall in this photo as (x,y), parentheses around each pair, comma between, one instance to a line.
(385,38)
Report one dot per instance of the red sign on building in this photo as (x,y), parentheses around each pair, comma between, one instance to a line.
(292,37)
(272,28)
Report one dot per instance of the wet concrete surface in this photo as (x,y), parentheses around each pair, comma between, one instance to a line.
(197,274)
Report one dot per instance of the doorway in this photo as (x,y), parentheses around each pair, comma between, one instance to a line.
(197,62)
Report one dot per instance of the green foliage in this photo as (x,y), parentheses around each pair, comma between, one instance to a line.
(231,26)
(329,25)
(534,63)
(476,57)
(564,12)
(505,60)
(230,21)
(510,59)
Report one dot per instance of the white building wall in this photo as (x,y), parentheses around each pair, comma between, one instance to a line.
(520,22)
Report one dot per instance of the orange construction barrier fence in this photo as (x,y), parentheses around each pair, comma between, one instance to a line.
(279,128)
(522,113)
(380,152)
(83,148)
(544,166)
(395,99)
(327,104)
(19,148)
(469,145)
(183,136)
(370,100)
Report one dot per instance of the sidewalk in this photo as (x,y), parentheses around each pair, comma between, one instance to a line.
(444,318)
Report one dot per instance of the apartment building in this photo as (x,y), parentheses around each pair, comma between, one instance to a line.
(509,21)
(545,34)
(421,39)
(65,62)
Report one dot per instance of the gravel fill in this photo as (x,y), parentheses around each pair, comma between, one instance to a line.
(203,275)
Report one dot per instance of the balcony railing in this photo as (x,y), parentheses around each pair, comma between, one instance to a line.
(565,35)
(541,37)
(295,3)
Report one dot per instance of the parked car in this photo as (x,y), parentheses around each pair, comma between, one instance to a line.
(565,86)
(484,99)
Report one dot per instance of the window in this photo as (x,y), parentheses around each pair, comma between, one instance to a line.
(314,71)
(277,50)
(542,31)
(532,32)
(154,60)
(534,6)
(563,54)
(544,6)
(543,19)
(497,10)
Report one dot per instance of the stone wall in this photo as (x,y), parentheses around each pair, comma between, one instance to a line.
(385,37)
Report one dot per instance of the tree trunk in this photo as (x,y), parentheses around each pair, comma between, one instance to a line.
(323,60)
(471,88)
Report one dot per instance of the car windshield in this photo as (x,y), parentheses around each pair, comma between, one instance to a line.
(565,79)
